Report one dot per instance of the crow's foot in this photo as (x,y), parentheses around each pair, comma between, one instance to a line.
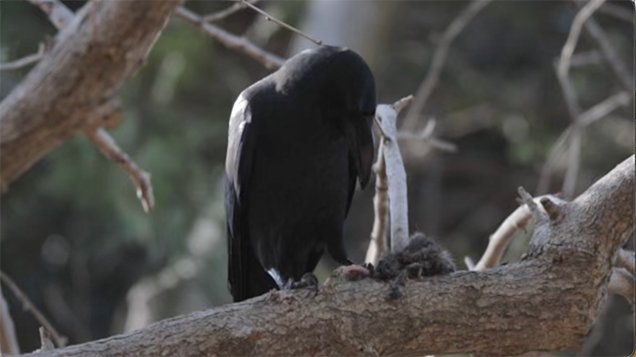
(308,281)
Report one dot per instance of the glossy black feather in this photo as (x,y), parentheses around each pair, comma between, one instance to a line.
(298,141)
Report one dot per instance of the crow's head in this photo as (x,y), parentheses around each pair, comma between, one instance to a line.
(338,83)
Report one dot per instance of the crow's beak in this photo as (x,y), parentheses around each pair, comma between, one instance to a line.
(360,139)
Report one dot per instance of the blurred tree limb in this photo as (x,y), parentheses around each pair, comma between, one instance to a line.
(237,43)
(559,286)
(101,47)
(425,89)
(570,142)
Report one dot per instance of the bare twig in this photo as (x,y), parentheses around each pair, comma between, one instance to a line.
(517,221)
(111,150)
(268,17)
(617,12)
(269,60)
(27,305)
(564,64)
(575,32)
(24,61)
(569,94)
(595,113)
(220,15)
(439,58)
(585,59)
(610,55)
(603,108)
(58,13)
(426,135)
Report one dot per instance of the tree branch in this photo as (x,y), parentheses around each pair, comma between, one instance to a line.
(616,66)
(269,17)
(517,221)
(392,175)
(113,152)
(29,306)
(425,89)
(24,61)
(93,55)
(107,115)
(508,310)
(8,339)
(58,13)
(220,15)
(241,44)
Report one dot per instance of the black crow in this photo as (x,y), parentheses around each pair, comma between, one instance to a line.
(298,140)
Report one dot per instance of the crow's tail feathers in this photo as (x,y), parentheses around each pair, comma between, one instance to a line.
(246,276)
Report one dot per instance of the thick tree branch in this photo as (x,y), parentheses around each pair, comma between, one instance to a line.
(107,115)
(93,55)
(512,309)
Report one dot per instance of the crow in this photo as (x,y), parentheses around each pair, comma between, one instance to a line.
(298,141)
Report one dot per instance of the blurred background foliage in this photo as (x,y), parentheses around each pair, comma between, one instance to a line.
(75,238)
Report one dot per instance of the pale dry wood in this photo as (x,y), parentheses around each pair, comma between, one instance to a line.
(58,13)
(394,175)
(8,339)
(24,61)
(519,220)
(379,245)
(93,56)
(560,286)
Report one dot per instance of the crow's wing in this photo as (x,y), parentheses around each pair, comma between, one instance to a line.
(246,276)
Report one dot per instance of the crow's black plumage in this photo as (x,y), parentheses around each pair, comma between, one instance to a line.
(298,141)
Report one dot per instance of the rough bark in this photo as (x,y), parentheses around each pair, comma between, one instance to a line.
(105,43)
(546,302)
